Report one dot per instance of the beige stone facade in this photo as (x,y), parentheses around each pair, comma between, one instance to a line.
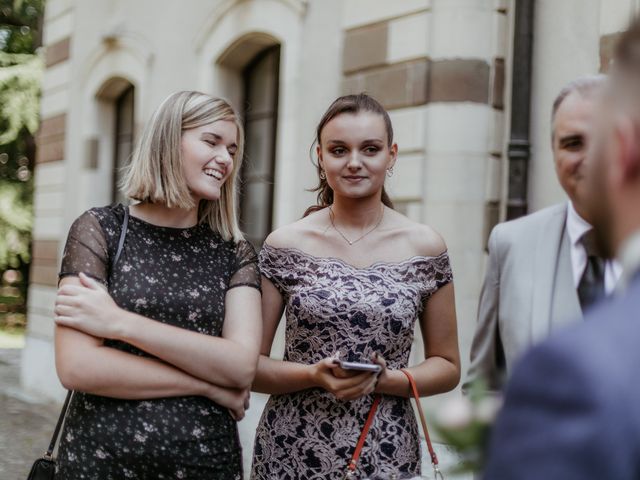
(441,67)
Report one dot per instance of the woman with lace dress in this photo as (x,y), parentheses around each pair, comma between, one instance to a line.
(161,345)
(353,276)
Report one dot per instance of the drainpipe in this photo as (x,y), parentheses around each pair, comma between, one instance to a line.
(519,148)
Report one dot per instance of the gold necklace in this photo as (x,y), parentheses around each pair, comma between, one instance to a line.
(351,242)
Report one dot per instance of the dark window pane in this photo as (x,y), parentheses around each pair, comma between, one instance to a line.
(261,79)
(123,138)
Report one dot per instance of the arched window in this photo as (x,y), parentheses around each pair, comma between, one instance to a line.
(122,138)
(261,81)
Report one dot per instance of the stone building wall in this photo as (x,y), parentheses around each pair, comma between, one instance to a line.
(441,67)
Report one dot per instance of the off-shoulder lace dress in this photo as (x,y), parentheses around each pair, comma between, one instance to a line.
(332,306)
(177,276)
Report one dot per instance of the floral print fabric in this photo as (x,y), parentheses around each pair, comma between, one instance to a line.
(177,276)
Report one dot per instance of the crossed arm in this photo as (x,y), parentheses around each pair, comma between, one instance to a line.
(188,363)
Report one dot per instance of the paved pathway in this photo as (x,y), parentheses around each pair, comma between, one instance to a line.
(26,424)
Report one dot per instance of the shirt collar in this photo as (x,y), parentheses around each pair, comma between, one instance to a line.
(576,225)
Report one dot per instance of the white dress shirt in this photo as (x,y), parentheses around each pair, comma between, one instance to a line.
(576,228)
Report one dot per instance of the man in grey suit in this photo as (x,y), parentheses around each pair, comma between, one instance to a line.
(535,279)
(572,406)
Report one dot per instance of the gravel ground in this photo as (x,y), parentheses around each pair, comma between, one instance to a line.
(26,425)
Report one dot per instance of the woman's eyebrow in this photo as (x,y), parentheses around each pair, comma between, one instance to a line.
(342,142)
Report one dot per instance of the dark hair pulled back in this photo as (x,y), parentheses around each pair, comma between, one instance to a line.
(353,104)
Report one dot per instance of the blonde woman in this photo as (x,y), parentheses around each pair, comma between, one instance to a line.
(162,346)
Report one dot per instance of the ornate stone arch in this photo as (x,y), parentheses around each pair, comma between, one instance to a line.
(224,8)
(121,61)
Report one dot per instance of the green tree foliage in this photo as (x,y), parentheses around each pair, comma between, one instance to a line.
(20,75)
(21,25)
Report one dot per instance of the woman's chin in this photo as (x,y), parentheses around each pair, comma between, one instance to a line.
(210,195)
(356,194)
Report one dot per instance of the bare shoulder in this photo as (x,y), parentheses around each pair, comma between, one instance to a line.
(298,233)
(423,239)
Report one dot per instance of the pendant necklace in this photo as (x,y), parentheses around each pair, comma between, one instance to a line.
(351,242)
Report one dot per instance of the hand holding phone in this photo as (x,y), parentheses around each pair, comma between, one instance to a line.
(364,367)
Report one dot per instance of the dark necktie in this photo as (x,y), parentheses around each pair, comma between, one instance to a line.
(591,286)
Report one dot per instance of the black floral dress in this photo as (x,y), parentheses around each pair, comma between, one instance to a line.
(332,307)
(177,276)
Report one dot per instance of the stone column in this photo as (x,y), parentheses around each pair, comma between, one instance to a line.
(464,138)
(38,374)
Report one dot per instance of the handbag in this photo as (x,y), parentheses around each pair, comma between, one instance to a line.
(353,464)
(44,468)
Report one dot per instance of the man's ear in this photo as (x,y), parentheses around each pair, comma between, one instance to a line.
(627,134)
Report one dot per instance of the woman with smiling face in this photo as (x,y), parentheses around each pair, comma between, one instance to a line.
(353,275)
(161,346)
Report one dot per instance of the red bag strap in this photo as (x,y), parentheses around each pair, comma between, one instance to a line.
(363,436)
(414,390)
(367,425)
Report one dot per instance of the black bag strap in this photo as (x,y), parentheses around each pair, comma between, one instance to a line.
(49,453)
(63,413)
(123,234)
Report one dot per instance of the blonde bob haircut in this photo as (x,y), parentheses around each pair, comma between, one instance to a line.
(155,172)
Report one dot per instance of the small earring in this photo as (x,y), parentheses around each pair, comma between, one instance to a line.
(390,172)
(323,176)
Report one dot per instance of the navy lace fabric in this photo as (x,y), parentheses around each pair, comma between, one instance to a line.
(332,307)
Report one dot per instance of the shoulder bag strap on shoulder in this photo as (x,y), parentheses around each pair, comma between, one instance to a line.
(123,234)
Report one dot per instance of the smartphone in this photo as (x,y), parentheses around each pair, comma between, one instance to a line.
(365,367)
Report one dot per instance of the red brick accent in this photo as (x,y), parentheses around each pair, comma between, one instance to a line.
(57,52)
(50,139)
(44,266)
(395,86)
(365,47)
(459,80)
(418,82)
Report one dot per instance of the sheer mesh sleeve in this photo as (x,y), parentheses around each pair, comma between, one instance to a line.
(247,273)
(86,250)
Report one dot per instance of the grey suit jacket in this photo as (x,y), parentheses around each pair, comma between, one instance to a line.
(528,291)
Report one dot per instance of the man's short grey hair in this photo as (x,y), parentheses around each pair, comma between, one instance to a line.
(586,85)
